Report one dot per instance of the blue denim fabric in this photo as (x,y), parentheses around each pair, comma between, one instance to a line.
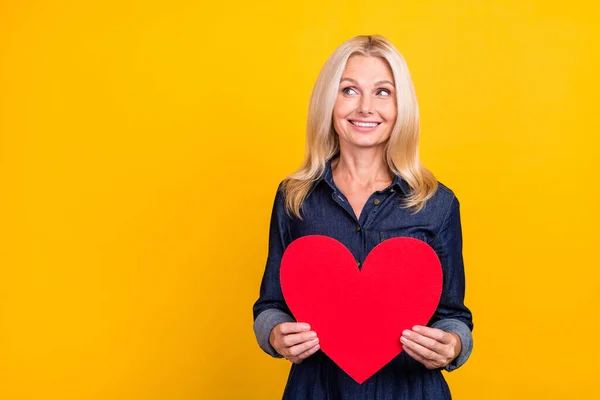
(326,211)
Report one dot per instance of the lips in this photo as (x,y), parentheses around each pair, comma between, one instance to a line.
(364,124)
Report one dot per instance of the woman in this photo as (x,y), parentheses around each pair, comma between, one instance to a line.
(361,183)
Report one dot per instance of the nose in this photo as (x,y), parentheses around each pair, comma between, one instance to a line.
(364,107)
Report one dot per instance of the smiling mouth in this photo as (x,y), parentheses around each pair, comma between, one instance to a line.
(361,124)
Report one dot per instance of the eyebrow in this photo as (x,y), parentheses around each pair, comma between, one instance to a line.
(376,83)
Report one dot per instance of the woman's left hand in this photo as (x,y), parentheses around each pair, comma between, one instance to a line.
(432,347)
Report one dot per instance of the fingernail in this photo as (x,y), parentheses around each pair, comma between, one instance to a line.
(416,328)
(406,333)
(403,339)
(306,326)
(312,334)
(315,340)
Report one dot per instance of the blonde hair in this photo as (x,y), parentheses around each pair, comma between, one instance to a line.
(322,143)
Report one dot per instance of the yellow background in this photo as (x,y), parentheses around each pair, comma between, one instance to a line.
(142,143)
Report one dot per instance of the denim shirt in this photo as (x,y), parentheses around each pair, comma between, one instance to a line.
(326,211)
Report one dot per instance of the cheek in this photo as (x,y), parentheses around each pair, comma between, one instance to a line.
(336,120)
(338,126)
(342,107)
(389,112)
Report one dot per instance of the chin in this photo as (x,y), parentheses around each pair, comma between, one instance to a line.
(366,144)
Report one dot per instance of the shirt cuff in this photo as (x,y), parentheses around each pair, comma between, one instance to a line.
(466,340)
(264,324)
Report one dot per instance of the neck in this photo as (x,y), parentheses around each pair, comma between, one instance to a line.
(364,167)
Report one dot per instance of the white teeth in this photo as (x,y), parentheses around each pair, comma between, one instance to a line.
(365,124)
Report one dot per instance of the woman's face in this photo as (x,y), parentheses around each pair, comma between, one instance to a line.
(365,109)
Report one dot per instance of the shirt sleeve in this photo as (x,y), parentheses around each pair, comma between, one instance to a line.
(270,309)
(452,315)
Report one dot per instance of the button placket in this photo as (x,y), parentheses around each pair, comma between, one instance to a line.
(340,201)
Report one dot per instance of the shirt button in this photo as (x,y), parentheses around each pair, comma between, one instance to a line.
(376,201)
(357,228)
(357,263)
(391,190)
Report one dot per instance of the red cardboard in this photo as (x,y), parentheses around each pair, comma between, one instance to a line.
(359,314)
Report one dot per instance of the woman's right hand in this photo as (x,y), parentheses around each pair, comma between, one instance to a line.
(294,340)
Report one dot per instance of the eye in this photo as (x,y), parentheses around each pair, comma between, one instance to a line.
(383,92)
(349,90)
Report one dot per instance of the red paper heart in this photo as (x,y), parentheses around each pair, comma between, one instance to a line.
(359,315)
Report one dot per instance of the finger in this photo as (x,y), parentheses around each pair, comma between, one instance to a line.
(427,342)
(298,349)
(309,352)
(286,328)
(297,338)
(416,356)
(427,363)
(433,333)
(305,355)
(420,350)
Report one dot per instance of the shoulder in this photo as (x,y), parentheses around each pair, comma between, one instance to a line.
(443,204)
(278,200)
(280,194)
(443,197)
